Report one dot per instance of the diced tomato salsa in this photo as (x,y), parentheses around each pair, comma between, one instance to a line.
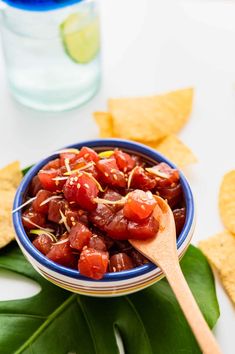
(85,206)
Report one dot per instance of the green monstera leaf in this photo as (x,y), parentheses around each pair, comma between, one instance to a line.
(58,322)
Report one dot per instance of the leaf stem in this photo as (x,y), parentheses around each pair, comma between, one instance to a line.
(50,318)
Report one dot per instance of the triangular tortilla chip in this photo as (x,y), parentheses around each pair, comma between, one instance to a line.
(220,251)
(151,118)
(10,177)
(227,201)
(175,150)
(105,124)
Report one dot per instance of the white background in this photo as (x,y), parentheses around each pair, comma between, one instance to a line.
(150,46)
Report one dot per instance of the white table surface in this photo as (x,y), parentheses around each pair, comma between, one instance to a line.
(150,46)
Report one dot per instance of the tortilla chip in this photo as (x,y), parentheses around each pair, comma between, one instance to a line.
(10,177)
(105,123)
(176,151)
(227,201)
(149,119)
(220,251)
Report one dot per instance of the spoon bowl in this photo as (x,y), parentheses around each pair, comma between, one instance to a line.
(164,244)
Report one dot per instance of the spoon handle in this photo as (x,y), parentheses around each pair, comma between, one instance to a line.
(195,319)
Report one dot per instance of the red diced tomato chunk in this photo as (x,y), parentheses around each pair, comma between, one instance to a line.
(173,194)
(62,253)
(77,164)
(119,262)
(41,196)
(52,165)
(72,217)
(79,236)
(43,243)
(56,206)
(110,173)
(35,186)
(81,189)
(101,216)
(93,170)
(48,180)
(68,157)
(97,242)
(142,180)
(83,217)
(169,175)
(112,195)
(93,263)
(179,216)
(124,161)
(88,154)
(146,229)
(117,227)
(139,205)
(31,219)
(87,166)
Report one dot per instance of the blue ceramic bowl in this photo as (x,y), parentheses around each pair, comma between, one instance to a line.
(113,284)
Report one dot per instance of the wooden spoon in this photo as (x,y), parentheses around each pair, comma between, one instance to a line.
(162,251)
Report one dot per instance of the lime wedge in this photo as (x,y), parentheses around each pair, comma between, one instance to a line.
(81,38)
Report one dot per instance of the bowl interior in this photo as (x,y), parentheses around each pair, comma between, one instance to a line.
(149,155)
